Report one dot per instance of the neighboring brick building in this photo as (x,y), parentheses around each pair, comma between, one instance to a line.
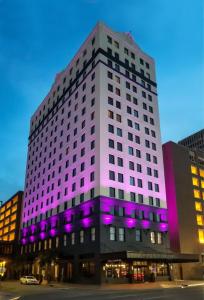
(10,215)
(184,176)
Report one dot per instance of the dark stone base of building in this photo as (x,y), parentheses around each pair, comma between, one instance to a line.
(101,240)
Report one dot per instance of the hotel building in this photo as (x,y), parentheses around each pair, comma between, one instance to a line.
(95,199)
(184,176)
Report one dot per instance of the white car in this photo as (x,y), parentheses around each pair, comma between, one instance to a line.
(28,280)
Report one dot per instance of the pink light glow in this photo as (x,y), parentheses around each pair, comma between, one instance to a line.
(130,223)
(32,238)
(23,241)
(145,224)
(68,227)
(42,235)
(86,223)
(107,220)
(53,232)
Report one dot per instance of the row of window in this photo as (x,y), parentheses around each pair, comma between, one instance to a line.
(119,235)
(127,51)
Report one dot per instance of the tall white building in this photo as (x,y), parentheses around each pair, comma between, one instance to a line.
(95,145)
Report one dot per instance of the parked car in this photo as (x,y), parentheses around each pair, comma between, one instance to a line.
(28,280)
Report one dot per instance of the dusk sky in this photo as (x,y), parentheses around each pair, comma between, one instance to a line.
(39,37)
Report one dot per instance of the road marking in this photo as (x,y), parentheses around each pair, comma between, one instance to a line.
(157,297)
(16,298)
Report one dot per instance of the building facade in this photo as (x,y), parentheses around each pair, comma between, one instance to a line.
(10,215)
(95,204)
(194,141)
(184,175)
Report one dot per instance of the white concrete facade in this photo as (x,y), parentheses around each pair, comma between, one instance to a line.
(69,150)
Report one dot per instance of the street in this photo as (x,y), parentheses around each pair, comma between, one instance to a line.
(99,293)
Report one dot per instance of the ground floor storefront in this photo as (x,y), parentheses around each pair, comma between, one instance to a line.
(125,267)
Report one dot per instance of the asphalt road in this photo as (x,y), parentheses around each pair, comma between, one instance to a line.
(188,293)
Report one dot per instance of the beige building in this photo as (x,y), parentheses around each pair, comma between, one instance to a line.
(184,176)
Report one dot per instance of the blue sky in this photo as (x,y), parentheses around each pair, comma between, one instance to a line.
(39,37)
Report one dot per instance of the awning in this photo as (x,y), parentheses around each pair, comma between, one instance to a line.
(170,257)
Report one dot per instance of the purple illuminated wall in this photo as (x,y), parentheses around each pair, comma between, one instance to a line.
(92,212)
(171,197)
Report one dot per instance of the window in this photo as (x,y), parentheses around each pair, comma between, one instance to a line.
(196,194)
(157,202)
(110,128)
(201,236)
(93,234)
(112,233)
(130,150)
(110,87)
(195,181)
(132,196)
(120,194)
(92,176)
(81,236)
(151,200)
(121,234)
(117,91)
(138,235)
(119,132)
(140,198)
(111,175)
(201,171)
(120,162)
(194,170)
(112,192)
(139,182)
(199,219)
(121,211)
(152,237)
(156,187)
(119,147)
(110,101)
(198,206)
(131,165)
(118,118)
(109,39)
(111,159)
(132,181)
(110,75)
(110,114)
(116,44)
(120,177)
(73,238)
(159,237)
(111,143)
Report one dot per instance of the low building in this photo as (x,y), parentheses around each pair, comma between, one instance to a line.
(184,177)
(10,215)
(194,141)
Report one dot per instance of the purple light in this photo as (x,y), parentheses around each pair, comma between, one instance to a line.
(130,223)
(32,229)
(43,225)
(163,227)
(68,228)
(23,241)
(86,223)
(42,235)
(145,224)
(24,232)
(107,220)
(53,232)
(32,238)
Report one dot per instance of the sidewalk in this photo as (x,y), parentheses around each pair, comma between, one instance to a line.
(132,286)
